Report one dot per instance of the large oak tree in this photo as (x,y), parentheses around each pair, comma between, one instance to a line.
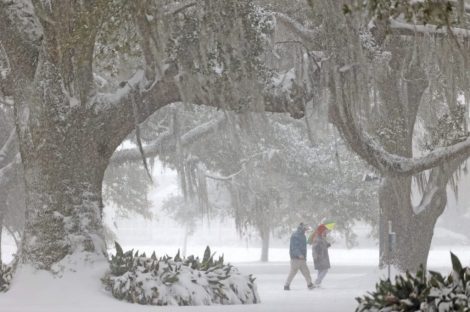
(68,129)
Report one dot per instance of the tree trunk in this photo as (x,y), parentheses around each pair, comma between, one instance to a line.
(63,215)
(265,238)
(413,231)
(398,112)
(65,151)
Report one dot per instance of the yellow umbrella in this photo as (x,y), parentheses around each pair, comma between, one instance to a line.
(330,225)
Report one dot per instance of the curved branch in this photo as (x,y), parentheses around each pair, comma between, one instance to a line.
(116,112)
(371,150)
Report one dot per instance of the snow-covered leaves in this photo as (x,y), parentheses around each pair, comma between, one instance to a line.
(6,273)
(177,281)
(421,292)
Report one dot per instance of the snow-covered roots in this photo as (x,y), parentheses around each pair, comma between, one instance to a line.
(177,281)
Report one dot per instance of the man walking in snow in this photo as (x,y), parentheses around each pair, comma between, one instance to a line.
(298,257)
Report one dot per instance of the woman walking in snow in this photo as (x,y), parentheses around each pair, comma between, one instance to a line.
(321,259)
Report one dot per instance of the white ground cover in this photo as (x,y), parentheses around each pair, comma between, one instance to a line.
(353,273)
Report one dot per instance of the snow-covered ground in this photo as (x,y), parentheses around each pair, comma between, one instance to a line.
(353,273)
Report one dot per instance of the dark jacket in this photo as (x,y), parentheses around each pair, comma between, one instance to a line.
(321,259)
(298,245)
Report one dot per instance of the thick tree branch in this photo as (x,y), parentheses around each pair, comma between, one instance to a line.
(148,43)
(118,112)
(70,30)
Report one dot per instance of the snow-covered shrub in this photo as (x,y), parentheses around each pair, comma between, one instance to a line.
(406,294)
(421,292)
(6,273)
(177,281)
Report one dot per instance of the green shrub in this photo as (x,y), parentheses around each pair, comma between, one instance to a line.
(177,281)
(421,292)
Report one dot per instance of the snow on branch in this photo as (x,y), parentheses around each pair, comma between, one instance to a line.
(434,158)
(166,142)
(394,164)
(118,108)
(106,101)
(150,150)
(118,111)
(196,133)
(408,29)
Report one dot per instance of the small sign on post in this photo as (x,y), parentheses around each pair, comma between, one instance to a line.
(392,240)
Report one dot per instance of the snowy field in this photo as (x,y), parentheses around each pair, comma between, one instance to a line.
(353,273)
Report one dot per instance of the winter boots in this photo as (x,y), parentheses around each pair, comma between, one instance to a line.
(309,286)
